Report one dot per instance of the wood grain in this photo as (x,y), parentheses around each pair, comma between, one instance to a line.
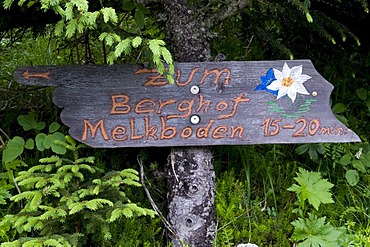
(133,106)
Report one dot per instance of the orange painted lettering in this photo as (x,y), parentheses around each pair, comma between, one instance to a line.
(236,100)
(202,103)
(132,128)
(145,71)
(186,132)
(190,78)
(150,131)
(184,106)
(217,74)
(119,104)
(94,129)
(145,106)
(119,133)
(167,132)
(219,132)
(157,80)
(164,103)
(203,132)
(221,106)
(236,129)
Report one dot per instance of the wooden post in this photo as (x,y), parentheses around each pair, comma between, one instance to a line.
(191,194)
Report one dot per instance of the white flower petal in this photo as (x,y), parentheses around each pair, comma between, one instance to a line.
(299,88)
(282,91)
(302,78)
(296,71)
(292,94)
(278,75)
(286,71)
(275,85)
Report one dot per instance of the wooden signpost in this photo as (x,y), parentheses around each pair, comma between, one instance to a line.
(211,103)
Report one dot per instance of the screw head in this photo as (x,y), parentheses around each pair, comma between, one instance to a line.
(314,94)
(194,89)
(194,119)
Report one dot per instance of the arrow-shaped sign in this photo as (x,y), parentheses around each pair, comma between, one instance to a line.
(27,75)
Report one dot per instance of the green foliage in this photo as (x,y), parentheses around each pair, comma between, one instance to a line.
(65,199)
(16,146)
(314,231)
(312,188)
(242,219)
(76,20)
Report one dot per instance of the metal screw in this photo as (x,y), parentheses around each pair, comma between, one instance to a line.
(194,119)
(194,89)
(314,94)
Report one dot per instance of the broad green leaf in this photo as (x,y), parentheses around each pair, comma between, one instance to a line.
(128,5)
(301,149)
(359,166)
(342,119)
(365,158)
(28,122)
(314,232)
(48,140)
(54,126)
(313,153)
(30,144)
(352,177)
(313,188)
(345,160)
(13,149)
(40,141)
(57,148)
(362,93)
(142,8)
(339,108)
(140,19)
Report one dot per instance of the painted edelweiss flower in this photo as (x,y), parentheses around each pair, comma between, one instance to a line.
(289,82)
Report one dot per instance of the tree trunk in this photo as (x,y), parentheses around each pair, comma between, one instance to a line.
(187,33)
(191,178)
(191,192)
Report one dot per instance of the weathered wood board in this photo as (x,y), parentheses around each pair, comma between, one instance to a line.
(212,103)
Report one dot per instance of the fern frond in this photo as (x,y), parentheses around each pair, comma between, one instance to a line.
(95,204)
(71,28)
(36,201)
(109,14)
(31,224)
(76,207)
(51,159)
(24,195)
(7,4)
(19,220)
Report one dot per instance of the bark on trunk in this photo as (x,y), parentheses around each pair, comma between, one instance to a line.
(191,178)
(191,192)
(187,33)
